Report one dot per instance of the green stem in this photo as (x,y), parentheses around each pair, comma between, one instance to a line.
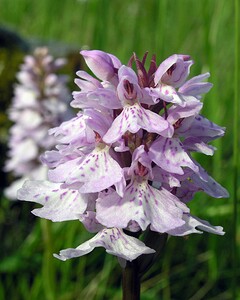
(131,281)
(235,151)
(48,266)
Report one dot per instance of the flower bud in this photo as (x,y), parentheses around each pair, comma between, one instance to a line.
(100,63)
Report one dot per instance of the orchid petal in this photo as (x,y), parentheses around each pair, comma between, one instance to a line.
(209,185)
(169,154)
(191,108)
(178,74)
(114,240)
(195,144)
(100,63)
(134,117)
(96,171)
(195,86)
(201,127)
(58,204)
(192,223)
(141,203)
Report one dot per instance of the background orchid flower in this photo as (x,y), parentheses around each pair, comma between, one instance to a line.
(40,102)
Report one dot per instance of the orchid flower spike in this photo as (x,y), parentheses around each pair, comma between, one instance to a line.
(40,102)
(123,164)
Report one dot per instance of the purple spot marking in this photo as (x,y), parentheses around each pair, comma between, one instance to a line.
(105,162)
(62,195)
(131,191)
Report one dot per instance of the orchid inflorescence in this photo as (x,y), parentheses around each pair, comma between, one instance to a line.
(40,102)
(123,164)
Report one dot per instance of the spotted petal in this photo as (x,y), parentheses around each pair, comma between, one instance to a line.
(191,108)
(170,155)
(114,240)
(209,185)
(96,172)
(59,204)
(141,203)
(200,127)
(74,131)
(62,171)
(135,117)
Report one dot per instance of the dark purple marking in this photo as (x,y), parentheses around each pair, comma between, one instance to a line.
(63,195)
(145,198)
(131,190)
(105,162)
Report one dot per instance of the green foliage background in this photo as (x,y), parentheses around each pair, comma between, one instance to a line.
(192,268)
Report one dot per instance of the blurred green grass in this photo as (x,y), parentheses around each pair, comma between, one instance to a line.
(197,267)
